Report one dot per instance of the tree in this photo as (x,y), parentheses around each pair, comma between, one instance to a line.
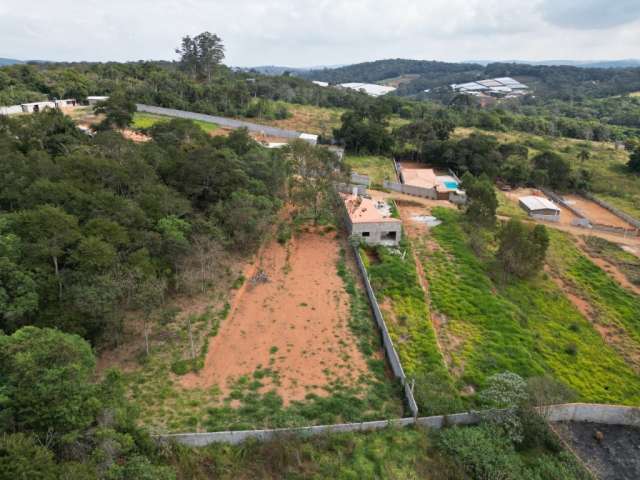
(634,160)
(365,131)
(118,109)
(558,170)
(21,457)
(482,202)
(18,292)
(48,231)
(201,54)
(46,374)
(148,297)
(315,170)
(522,249)
(584,155)
(503,396)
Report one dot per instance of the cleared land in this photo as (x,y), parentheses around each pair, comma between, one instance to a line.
(377,168)
(595,213)
(296,324)
(300,349)
(148,120)
(306,118)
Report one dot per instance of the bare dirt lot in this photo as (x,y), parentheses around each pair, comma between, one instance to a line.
(616,456)
(296,324)
(595,213)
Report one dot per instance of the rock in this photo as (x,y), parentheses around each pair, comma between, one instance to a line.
(599,436)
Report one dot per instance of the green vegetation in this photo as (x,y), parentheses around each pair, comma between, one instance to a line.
(524,326)
(378,169)
(144,121)
(609,179)
(395,280)
(628,263)
(613,304)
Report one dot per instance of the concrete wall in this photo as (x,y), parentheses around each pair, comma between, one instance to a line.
(411,190)
(359,179)
(545,218)
(377,231)
(11,110)
(223,121)
(619,213)
(387,342)
(575,412)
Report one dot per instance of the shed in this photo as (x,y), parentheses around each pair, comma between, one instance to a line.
(539,206)
(309,137)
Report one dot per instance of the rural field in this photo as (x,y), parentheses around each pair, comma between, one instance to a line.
(294,344)
(577,321)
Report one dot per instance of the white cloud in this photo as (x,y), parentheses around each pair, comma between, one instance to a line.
(312,32)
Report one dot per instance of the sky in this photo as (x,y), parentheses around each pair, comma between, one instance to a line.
(302,33)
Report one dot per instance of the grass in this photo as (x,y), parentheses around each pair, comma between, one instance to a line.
(508,208)
(393,453)
(377,168)
(626,262)
(612,182)
(527,327)
(395,280)
(613,304)
(146,120)
(306,118)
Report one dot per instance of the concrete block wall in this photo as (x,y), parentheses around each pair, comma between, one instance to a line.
(574,412)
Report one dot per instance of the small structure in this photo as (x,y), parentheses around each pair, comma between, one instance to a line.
(93,99)
(371,221)
(424,182)
(320,84)
(35,107)
(540,207)
(309,138)
(66,103)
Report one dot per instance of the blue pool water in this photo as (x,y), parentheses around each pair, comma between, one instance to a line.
(451,185)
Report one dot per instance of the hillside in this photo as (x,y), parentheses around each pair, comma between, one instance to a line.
(549,81)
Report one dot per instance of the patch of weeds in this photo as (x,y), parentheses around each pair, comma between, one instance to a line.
(238,282)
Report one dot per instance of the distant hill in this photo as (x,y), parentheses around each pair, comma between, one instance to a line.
(9,61)
(592,79)
(279,70)
(629,63)
(371,72)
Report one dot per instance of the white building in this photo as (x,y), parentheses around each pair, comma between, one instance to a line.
(540,207)
(93,99)
(369,88)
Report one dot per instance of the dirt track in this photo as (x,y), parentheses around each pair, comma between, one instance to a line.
(295,324)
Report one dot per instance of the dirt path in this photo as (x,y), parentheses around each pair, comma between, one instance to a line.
(611,269)
(295,324)
(613,335)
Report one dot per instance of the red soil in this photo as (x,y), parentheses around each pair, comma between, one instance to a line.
(302,311)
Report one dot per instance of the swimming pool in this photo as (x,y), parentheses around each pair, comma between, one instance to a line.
(451,185)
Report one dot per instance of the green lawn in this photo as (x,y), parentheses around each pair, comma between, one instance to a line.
(528,327)
(377,168)
(148,120)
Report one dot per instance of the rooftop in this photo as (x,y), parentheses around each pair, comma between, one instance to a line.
(538,203)
(369,88)
(419,177)
(366,210)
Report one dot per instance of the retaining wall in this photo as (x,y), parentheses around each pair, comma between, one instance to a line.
(571,412)
(620,214)
(411,190)
(390,351)
(359,179)
(223,121)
